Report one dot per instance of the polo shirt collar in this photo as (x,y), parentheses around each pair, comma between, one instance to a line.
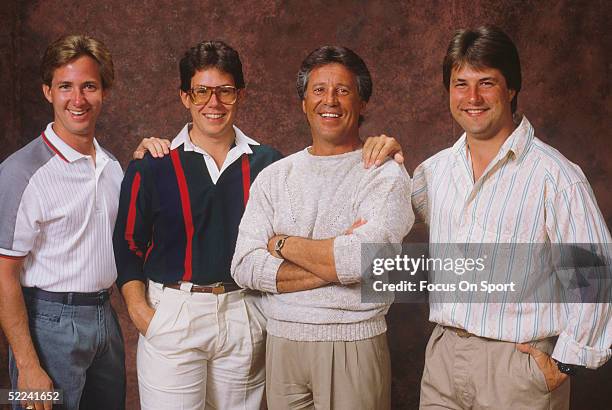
(65,151)
(242,141)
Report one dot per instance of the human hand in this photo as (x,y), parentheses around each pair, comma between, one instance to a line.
(157,147)
(359,222)
(377,149)
(554,377)
(141,317)
(31,378)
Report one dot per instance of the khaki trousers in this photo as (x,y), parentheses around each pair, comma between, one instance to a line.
(328,375)
(476,373)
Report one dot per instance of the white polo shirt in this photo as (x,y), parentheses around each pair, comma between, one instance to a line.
(58,210)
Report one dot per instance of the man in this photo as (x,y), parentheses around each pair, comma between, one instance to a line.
(201,337)
(59,199)
(501,184)
(325,348)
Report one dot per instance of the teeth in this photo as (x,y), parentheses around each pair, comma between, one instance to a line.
(330,115)
(475,111)
(214,116)
(77,113)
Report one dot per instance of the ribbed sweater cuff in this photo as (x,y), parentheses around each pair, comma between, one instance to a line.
(269,269)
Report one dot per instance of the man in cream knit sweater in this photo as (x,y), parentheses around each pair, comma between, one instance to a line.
(300,242)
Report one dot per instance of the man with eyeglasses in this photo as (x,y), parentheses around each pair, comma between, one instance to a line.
(201,340)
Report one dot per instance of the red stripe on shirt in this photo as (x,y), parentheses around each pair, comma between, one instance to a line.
(186,204)
(46,140)
(15,258)
(246,178)
(150,249)
(131,218)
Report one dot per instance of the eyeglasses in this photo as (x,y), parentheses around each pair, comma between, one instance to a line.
(226,94)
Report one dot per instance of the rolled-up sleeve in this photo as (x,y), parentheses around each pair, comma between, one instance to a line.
(253,266)
(383,200)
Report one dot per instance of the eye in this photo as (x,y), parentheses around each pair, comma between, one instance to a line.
(225,91)
(459,85)
(342,91)
(318,90)
(91,87)
(201,91)
(486,83)
(64,87)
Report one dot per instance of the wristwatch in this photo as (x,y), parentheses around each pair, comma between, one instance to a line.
(279,245)
(568,369)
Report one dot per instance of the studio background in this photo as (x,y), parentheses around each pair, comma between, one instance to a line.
(564,49)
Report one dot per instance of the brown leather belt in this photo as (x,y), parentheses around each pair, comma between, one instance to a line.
(215,289)
(461,332)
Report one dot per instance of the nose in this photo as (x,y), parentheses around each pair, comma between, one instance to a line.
(474,95)
(214,101)
(330,97)
(78,97)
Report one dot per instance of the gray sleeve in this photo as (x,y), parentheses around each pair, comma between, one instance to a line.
(253,266)
(384,202)
(19,206)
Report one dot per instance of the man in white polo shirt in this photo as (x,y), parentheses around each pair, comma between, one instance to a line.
(58,203)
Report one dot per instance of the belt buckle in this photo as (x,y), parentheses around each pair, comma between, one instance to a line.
(463,333)
(218,289)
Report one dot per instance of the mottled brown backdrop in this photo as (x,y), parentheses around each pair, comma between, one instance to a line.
(564,46)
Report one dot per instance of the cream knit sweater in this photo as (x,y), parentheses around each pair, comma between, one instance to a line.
(319,197)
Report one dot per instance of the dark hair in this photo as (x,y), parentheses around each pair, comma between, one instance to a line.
(68,48)
(210,54)
(485,46)
(340,55)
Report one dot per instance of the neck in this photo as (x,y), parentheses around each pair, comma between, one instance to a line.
(482,151)
(321,147)
(80,143)
(217,147)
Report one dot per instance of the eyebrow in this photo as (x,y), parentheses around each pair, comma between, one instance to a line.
(211,86)
(457,80)
(337,85)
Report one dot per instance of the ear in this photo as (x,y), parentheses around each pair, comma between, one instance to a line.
(241,95)
(105,93)
(304,106)
(363,106)
(185,99)
(511,94)
(47,93)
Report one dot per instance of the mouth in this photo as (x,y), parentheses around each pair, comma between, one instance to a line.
(78,113)
(330,115)
(214,116)
(474,112)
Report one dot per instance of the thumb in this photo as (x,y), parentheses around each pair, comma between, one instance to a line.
(525,348)
(399,158)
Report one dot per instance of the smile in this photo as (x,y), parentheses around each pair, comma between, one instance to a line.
(475,111)
(214,116)
(330,115)
(78,113)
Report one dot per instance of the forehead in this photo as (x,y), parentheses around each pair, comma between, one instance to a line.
(467,71)
(332,73)
(212,76)
(83,68)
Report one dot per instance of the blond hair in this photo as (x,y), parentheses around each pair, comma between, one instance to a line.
(68,48)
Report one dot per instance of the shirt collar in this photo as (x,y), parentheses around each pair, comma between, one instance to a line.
(65,151)
(242,141)
(517,142)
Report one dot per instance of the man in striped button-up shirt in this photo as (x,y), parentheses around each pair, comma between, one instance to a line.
(499,184)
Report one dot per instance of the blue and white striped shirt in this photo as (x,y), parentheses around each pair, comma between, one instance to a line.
(529,194)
